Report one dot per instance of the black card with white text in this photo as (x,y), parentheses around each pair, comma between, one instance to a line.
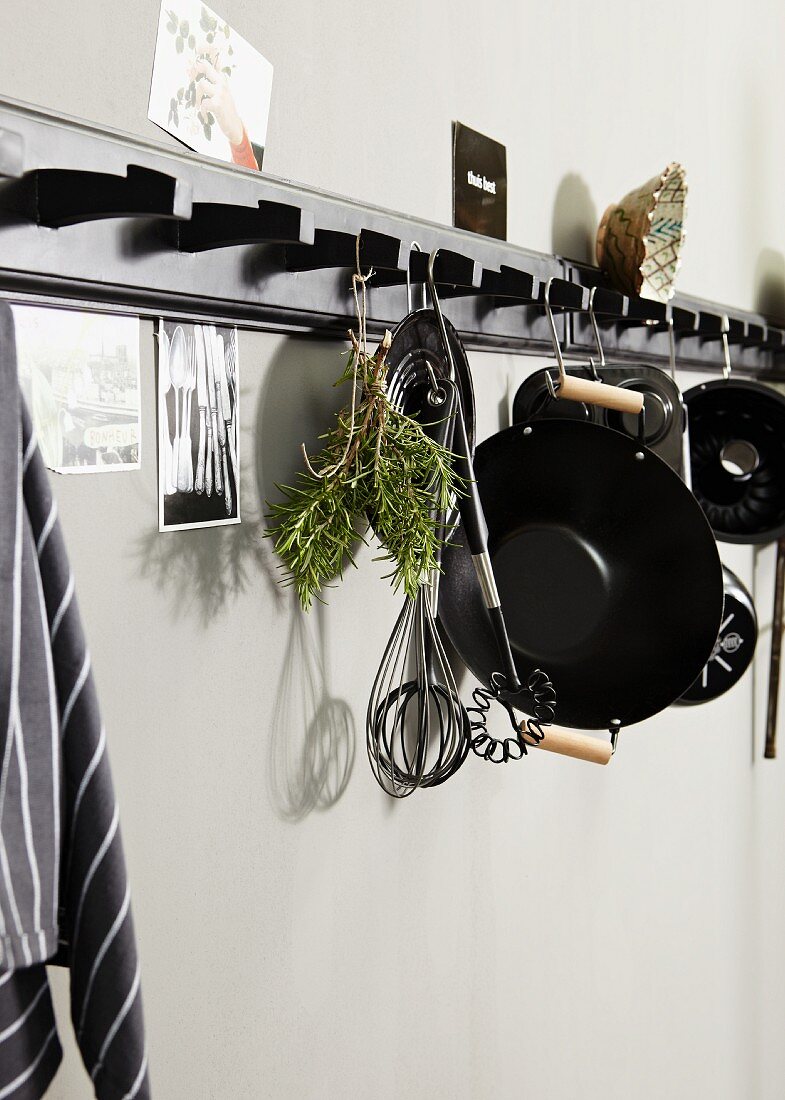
(479,183)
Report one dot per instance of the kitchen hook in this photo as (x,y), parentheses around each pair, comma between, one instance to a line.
(409,293)
(726,366)
(580,389)
(436,392)
(596,330)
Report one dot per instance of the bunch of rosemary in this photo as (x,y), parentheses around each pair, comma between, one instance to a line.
(377,467)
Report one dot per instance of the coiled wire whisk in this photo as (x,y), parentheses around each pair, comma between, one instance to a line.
(417,729)
(501,750)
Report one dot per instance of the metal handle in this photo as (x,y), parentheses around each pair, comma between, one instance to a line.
(770,750)
(476,530)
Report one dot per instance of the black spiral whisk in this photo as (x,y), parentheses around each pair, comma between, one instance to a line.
(543,710)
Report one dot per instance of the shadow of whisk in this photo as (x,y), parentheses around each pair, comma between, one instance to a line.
(312,736)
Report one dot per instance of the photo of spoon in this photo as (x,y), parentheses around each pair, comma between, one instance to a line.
(164,386)
(178,373)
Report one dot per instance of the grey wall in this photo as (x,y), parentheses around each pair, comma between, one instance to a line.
(549,930)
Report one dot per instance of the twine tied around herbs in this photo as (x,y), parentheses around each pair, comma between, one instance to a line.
(377,465)
(374,388)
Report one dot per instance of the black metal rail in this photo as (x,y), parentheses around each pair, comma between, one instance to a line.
(93,217)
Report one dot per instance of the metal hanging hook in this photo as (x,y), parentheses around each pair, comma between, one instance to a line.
(726,367)
(596,330)
(555,340)
(671,343)
(437,394)
(415,247)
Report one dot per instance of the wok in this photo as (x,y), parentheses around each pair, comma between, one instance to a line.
(607,570)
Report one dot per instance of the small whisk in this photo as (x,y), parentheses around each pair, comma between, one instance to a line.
(417,729)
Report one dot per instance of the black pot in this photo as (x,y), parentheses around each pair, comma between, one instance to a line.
(661,400)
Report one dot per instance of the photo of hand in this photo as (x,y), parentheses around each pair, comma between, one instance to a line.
(214,99)
(210,88)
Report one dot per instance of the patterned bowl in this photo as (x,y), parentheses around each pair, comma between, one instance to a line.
(640,237)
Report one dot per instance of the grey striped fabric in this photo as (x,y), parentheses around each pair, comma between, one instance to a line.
(63,886)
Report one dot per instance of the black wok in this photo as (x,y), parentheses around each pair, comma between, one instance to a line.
(607,570)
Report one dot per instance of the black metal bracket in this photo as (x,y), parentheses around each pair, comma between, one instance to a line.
(281,256)
(12,153)
(222,225)
(331,248)
(642,333)
(56,197)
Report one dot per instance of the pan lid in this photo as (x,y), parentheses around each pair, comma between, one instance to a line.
(416,350)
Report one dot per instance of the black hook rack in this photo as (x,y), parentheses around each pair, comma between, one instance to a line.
(12,154)
(223,225)
(57,172)
(510,286)
(334,249)
(454,273)
(58,197)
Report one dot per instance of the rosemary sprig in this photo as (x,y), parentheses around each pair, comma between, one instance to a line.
(377,466)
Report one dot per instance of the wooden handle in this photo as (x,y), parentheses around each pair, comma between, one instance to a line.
(580,746)
(770,750)
(598,393)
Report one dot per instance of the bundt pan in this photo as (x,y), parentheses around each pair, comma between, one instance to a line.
(737,450)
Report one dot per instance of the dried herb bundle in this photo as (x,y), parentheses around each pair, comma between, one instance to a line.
(377,466)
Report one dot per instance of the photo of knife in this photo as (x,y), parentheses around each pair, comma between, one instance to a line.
(201,401)
(226,416)
(213,405)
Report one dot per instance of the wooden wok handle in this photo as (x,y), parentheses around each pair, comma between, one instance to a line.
(580,746)
(598,393)
(770,750)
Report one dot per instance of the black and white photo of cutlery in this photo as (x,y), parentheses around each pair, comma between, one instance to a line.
(198,442)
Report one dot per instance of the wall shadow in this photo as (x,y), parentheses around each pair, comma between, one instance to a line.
(312,734)
(770,284)
(295,405)
(201,569)
(574,221)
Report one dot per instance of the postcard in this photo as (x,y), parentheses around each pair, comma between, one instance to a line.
(198,433)
(210,88)
(79,373)
(479,183)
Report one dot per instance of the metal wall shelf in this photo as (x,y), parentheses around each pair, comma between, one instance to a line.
(93,217)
